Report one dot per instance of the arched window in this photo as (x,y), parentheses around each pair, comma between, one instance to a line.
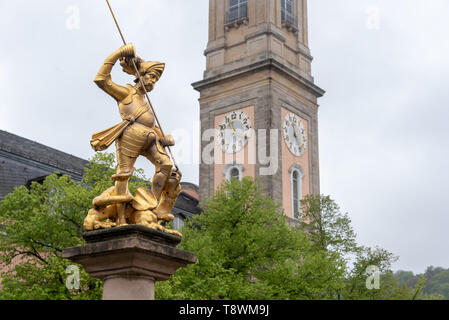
(233,171)
(296,175)
(296,187)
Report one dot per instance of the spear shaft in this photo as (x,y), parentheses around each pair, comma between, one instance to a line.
(142,84)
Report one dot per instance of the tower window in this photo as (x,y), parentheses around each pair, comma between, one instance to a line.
(233,171)
(287,6)
(295,191)
(289,20)
(238,10)
(297,174)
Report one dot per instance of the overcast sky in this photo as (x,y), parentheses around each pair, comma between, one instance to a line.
(383,131)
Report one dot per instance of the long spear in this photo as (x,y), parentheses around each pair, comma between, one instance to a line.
(142,84)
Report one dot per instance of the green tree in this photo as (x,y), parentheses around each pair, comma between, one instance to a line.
(246,250)
(435,282)
(331,230)
(40,222)
(328,228)
(357,276)
(406,277)
(244,246)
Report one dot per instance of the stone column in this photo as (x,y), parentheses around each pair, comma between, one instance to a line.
(129,259)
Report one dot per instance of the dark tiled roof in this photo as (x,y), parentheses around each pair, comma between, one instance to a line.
(34,151)
(190,186)
(186,204)
(191,189)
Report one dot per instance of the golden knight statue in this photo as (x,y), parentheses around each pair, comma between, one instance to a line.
(136,135)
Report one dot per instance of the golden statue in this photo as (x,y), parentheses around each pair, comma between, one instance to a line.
(136,135)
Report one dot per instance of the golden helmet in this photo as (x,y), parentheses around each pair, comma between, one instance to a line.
(155,67)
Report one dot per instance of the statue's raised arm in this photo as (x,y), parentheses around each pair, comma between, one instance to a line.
(103,78)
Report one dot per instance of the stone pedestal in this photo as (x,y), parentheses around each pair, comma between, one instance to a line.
(129,259)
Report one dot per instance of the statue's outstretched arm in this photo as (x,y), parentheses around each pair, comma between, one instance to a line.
(103,78)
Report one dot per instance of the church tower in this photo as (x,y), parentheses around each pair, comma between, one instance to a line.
(259,96)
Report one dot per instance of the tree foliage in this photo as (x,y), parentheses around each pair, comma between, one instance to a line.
(436,284)
(331,230)
(38,223)
(246,250)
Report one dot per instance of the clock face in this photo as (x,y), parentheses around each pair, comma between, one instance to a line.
(294,134)
(234,131)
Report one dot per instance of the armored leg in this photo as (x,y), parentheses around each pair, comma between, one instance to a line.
(168,197)
(165,184)
(125,169)
(160,179)
(157,155)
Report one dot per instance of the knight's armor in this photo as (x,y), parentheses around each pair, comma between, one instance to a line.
(130,105)
(139,136)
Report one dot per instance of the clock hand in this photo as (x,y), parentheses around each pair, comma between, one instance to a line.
(295,133)
(235,131)
(232,127)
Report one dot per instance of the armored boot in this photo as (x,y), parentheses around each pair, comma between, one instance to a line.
(121,189)
(168,197)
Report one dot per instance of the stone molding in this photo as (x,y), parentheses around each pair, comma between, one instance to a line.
(129,259)
(236,23)
(257,66)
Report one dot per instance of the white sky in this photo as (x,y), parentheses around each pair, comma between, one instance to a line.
(383,132)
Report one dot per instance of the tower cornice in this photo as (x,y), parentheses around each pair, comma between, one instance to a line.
(268,63)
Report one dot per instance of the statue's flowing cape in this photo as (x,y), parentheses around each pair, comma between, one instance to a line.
(102,140)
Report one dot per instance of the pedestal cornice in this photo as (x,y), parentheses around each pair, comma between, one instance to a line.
(129,251)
